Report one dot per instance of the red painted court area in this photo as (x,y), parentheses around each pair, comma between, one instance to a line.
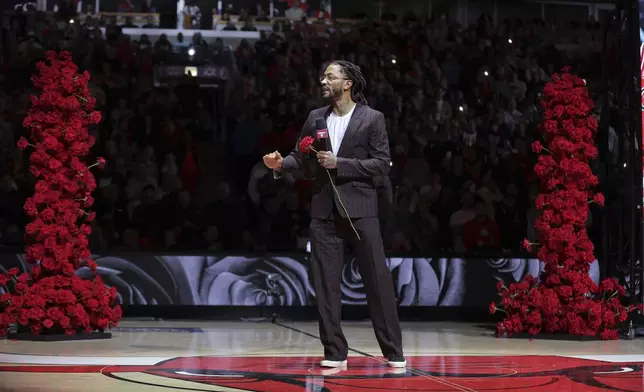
(424,373)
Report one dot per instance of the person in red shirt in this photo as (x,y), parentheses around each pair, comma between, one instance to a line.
(482,232)
(126,6)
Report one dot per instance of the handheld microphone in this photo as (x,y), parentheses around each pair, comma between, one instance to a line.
(321,131)
(321,134)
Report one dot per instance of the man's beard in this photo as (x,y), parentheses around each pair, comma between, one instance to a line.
(332,93)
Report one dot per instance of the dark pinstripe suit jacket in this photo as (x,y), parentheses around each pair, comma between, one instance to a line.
(363,163)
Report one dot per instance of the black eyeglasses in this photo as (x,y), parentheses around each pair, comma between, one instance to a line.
(330,78)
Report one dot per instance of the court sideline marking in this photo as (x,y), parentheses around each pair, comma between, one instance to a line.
(383,361)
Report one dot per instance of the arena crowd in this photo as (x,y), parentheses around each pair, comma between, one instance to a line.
(461,105)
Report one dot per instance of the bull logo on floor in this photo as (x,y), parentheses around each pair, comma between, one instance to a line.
(425,373)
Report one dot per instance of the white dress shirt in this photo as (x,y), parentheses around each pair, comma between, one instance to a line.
(337,127)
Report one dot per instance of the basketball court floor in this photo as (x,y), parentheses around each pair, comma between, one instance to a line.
(283,357)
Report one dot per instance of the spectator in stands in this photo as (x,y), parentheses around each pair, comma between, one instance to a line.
(65,9)
(214,13)
(481,234)
(296,11)
(148,7)
(149,22)
(260,14)
(87,14)
(249,25)
(192,15)
(180,39)
(126,6)
(230,26)
(162,46)
(212,239)
(461,216)
(10,197)
(130,241)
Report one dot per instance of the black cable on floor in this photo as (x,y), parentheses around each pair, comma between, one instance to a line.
(409,369)
(276,322)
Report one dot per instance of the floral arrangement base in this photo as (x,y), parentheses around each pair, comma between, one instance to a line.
(554,336)
(59,337)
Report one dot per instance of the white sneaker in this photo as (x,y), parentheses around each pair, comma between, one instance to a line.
(332,371)
(397,363)
(333,364)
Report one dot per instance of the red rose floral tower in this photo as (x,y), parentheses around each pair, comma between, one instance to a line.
(564,300)
(51,302)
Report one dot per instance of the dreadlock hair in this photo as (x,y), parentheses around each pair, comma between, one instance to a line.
(354,74)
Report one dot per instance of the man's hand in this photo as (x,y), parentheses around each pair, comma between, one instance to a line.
(273,160)
(327,159)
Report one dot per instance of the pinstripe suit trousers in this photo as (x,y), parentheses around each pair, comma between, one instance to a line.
(328,237)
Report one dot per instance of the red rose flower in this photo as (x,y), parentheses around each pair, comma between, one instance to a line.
(95,117)
(306,144)
(54,164)
(79,148)
(608,285)
(42,186)
(51,143)
(102,323)
(527,245)
(534,318)
(537,147)
(23,143)
(609,334)
(13,272)
(591,123)
(21,288)
(599,199)
(101,162)
(71,134)
(30,207)
(92,265)
(558,111)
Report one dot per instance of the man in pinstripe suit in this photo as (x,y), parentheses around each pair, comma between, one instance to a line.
(355,151)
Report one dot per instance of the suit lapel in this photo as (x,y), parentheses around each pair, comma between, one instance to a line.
(327,141)
(352,128)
